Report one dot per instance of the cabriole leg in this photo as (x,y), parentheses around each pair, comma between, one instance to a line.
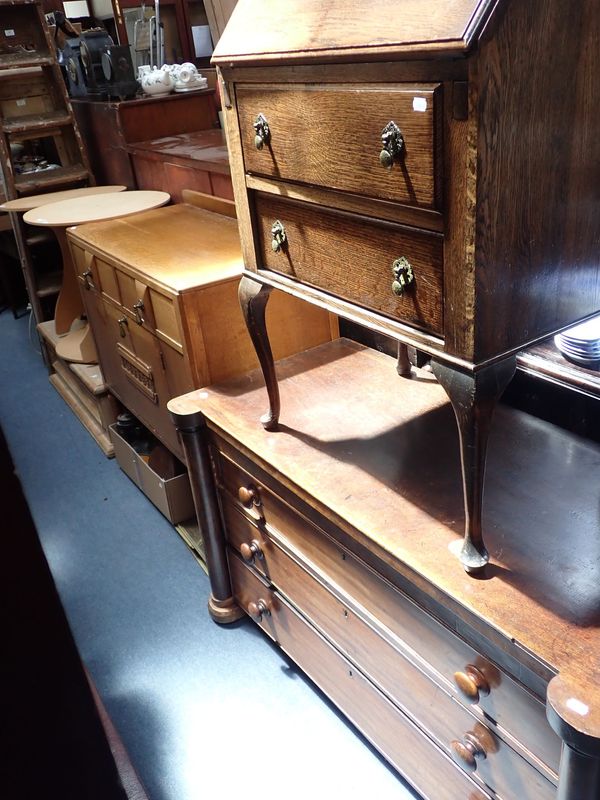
(473,397)
(253,300)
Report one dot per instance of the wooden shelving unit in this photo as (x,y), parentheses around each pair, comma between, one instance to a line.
(41,148)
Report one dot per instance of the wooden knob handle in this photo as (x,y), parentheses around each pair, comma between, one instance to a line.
(258,609)
(248,496)
(467,752)
(472,683)
(251,551)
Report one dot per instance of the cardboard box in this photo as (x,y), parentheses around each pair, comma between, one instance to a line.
(172,496)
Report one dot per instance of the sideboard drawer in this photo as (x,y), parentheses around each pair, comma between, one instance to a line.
(276,527)
(353,258)
(331,136)
(402,743)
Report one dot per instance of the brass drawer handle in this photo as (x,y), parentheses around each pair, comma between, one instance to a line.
(123,323)
(250,552)
(259,609)
(262,131)
(472,683)
(138,308)
(89,284)
(279,236)
(403,275)
(393,144)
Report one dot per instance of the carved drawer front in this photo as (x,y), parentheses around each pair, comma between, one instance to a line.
(397,671)
(385,267)
(402,743)
(377,141)
(446,657)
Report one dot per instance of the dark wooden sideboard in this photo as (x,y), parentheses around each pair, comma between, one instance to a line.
(336,535)
(428,170)
(110,126)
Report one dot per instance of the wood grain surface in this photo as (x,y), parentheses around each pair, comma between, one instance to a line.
(366,29)
(538,226)
(352,258)
(386,472)
(331,136)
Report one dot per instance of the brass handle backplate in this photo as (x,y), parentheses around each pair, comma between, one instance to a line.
(403,275)
(472,683)
(262,132)
(279,236)
(138,308)
(393,144)
(123,322)
(258,610)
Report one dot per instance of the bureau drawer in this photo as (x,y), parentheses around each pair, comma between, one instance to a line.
(331,136)
(352,257)
(399,674)
(515,710)
(403,744)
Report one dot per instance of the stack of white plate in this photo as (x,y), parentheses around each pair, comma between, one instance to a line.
(581,344)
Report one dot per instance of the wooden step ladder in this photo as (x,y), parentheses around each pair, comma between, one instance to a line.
(37,129)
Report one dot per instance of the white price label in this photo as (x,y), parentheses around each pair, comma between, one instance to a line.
(419,104)
(9,32)
(21,102)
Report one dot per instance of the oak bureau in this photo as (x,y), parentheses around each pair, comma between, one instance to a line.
(334,534)
(426,168)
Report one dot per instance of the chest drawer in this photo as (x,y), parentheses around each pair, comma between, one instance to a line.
(354,258)
(277,528)
(402,743)
(399,673)
(331,136)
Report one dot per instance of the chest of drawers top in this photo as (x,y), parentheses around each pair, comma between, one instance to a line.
(433,133)
(382,479)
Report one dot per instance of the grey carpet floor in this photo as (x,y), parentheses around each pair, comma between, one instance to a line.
(204,711)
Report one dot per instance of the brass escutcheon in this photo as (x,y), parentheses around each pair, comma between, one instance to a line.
(403,275)
(279,236)
(393,144)
(262,131)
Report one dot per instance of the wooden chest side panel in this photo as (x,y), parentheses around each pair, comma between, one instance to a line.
(538,206)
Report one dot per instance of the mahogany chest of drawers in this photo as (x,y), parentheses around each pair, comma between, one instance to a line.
(427,169)
(328,534)
(160,293)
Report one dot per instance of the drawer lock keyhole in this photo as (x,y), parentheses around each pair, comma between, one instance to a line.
(262,131)
(393,144)
(403,275)
(279,236)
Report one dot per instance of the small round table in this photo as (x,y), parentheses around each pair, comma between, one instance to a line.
(79,344)
(16,207)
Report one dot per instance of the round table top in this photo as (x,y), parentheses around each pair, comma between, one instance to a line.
(37,200)
(93,208)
